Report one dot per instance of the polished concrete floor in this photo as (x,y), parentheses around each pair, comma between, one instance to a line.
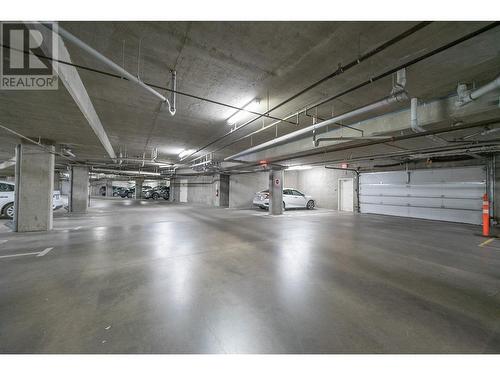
(153,277)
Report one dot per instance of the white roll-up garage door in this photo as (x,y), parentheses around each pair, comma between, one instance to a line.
(451,194)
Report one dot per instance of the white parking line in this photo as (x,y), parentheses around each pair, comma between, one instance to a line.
(44,252)
(18,255)
(3,241)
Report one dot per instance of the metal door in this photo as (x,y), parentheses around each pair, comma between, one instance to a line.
(346,194)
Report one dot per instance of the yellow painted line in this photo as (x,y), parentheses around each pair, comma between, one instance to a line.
(490,240)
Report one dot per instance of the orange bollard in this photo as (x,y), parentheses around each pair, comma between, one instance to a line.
(486,216)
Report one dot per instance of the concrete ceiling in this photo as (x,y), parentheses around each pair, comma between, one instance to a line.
(233,62)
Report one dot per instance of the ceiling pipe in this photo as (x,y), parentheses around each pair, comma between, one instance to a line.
(118,171)
(317,141)
(350,146)
(79,43)
(342,169)
(399,97)
(47,149)
(465,97)
(373,79)
(414,116)
(340,70)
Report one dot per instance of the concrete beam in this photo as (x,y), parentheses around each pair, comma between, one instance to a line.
(73,83)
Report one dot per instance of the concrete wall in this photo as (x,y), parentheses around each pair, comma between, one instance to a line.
(322,184)
(205,190)
(242,188)
(291,179)
(65,187)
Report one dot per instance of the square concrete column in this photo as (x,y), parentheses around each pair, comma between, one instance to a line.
(109,188)
(79,199)
(222,191)
(34,188)
(138,188)
(172,190)
(57,185)
(275,192)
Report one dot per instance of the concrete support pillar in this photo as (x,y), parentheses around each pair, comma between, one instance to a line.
(171,197)
(57,184)
(109,188)
(79,197)
(138,188)
(34,187)
(223,190)
(275,192)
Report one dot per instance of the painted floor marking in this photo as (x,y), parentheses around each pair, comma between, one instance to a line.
(37,253)
(3,241)
(44,252)
(18,255)
(489,240)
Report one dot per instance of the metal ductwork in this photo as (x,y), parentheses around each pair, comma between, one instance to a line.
(465,96)
(125,172)
(399,97)
(415,126)
(414,116)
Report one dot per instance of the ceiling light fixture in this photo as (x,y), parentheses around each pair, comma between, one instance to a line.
(241,113)
(299,168)
(184,153)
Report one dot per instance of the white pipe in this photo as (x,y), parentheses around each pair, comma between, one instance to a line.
(119,171)
(473,95)
(73,39)
(401,96)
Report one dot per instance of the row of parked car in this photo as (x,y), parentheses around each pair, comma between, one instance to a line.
(7,194)
(148,192)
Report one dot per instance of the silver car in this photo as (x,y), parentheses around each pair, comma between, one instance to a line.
(292,198)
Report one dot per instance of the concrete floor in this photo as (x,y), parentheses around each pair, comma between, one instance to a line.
(152,277)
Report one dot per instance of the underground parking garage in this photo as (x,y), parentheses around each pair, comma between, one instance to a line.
(195,187)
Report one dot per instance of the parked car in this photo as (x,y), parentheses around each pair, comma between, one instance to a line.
(292,198)
(157,193)
(117,191)
(127,193)
(7,191)
(130,192)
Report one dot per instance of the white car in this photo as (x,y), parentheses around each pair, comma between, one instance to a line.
(292,198)
(7,190)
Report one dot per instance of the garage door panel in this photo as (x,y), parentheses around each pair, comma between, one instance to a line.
(435,191)
(462,216)
(439,194)
(455,203)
